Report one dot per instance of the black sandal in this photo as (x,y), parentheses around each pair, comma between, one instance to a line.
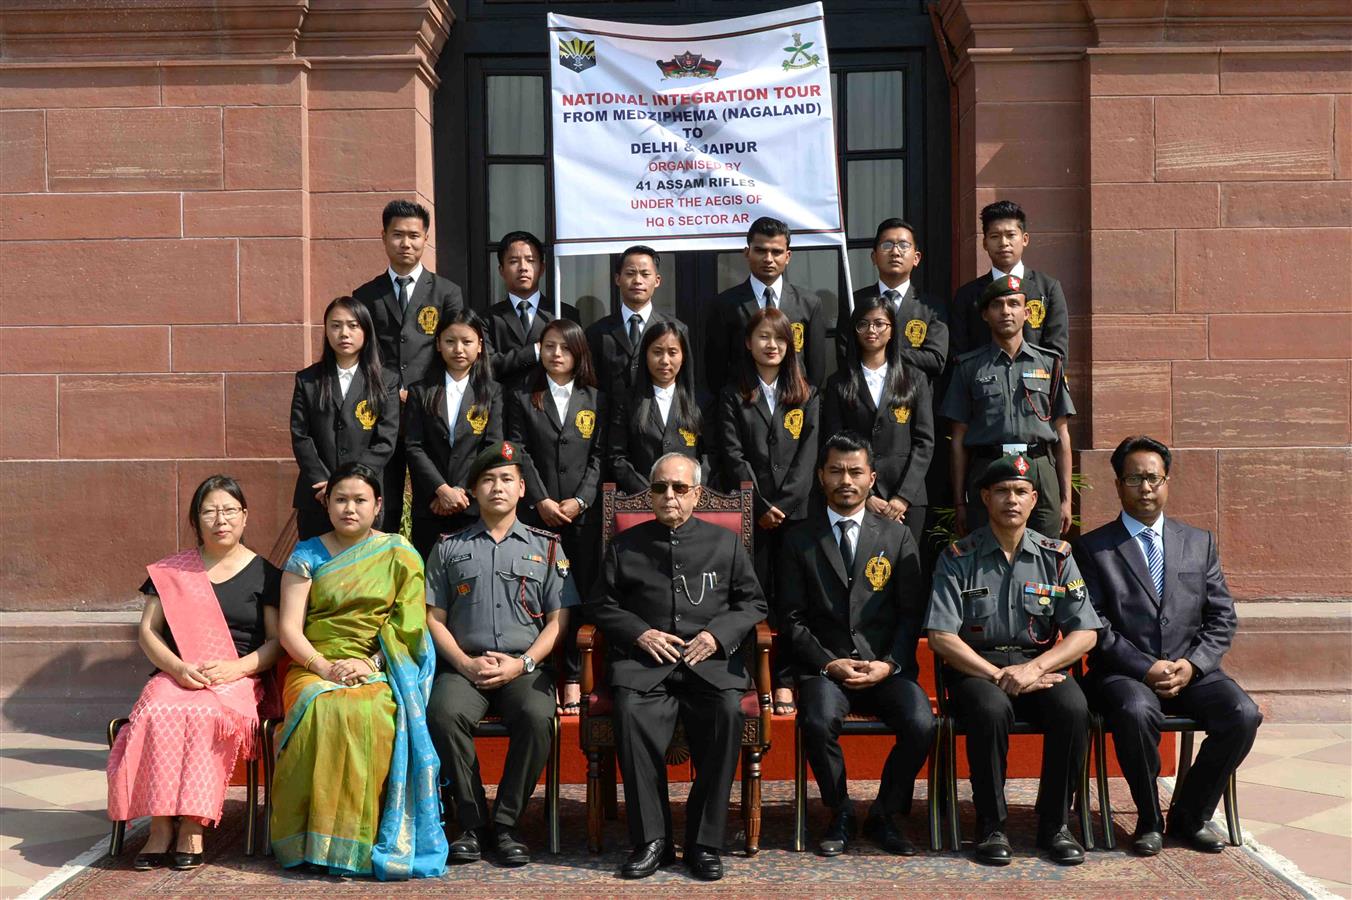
(573,708)
(144,862)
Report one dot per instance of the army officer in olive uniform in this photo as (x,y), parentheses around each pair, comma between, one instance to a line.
(1010,396)
(676,599)
(1001,597)
(498,594)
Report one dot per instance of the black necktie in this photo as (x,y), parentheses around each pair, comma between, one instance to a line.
(523,308)
(893,299)
(404,281)
(846,549)
(635,329)
(769,298)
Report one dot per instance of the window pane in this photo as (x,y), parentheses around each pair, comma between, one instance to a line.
(875,101)
(516,116)
(874,193)
(516,200)
(862,273)
(586,285)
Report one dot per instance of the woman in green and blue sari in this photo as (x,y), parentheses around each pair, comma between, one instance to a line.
(355,791)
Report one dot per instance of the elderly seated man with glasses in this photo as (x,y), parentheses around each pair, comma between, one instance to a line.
(676,598)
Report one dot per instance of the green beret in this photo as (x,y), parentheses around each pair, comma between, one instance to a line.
(503,453)
(1014,467)
(1000,287)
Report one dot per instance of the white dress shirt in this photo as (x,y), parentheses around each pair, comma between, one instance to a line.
(533,300)
(758,288)
(901,289)
(345,377)
(416,275)
(1017,271)
(874,379)
(455,395)
(561,394)
(664,397)
(1135,527)
(644,315)
(858,519)
(768,392)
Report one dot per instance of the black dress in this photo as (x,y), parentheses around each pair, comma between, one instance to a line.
(242,598)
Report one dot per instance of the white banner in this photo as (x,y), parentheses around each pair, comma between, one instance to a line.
(681,137)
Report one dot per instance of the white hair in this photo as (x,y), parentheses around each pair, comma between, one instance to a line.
(666,456)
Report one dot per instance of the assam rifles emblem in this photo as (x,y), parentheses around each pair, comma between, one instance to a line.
(577,54)
(915,332)
(798,331)
(689,65)
(688,436)
(477,418)
(1036,313)
(365,416)
(427,319)
(793,423)
(878,571)
(585,422)
(902,414)
(799,58)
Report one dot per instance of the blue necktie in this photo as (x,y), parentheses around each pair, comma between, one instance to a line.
(1154,560)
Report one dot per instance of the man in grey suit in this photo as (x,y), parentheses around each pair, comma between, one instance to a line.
(767,257)
(1167,620)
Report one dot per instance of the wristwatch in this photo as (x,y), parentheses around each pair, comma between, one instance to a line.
(581,504)
(527,664)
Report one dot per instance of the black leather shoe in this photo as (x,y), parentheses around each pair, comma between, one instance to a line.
(704,863)
(882,829)
(185,861)
(994,849)
(512,851)
(837,836)
(144,862)
(1147,843)
(1061,847)
(645,858)
(1203,839)
(467,848)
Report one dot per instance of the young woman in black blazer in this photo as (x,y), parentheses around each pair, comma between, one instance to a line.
(442,443)
(767,427)
(900,427)
(638,436)
(331,426)
(562,465)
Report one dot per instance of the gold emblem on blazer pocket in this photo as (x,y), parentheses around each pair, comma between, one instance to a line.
(365,416)
(793,422)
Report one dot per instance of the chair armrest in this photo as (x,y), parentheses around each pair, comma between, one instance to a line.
(764,640)
(586,643)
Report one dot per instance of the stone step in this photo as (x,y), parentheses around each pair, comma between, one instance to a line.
(69,672)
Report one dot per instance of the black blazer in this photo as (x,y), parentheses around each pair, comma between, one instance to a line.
(1194,620)
(432,459)
(646,581)
(758,446)
(406,345)
(902,450)
(563,459)
(968,331)
(636,438)
(922,328)
(875,616)
(323,439)
(733,308)
(615,360)
(512,349)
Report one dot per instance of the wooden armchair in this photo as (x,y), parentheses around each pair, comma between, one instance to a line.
(596,728)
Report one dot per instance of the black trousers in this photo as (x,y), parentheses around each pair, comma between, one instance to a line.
(899,702)
(644,723)
(767,545)
(392,488)
(312,520)
(1134,713)
(526,706)
(987,713)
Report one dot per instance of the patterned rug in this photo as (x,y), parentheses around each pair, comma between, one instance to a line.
(775,872)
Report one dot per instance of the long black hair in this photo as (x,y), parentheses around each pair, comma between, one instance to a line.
(686,407)
(899,389)
(368,358)
(478,371)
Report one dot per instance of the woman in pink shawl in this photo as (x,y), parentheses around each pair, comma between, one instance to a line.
(210,628)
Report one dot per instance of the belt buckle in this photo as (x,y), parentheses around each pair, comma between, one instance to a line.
(1007,449)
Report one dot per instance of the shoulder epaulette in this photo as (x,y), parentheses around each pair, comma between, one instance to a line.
(1059,547)
(961,547)
(543,532)
(1049,351)
(972,353)
(454,534)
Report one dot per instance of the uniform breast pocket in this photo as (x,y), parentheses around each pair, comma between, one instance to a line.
(978,606)
(526,579)
(1037,391)
(1041,624)
(465,581)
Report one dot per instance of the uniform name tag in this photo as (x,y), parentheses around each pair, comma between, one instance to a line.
(461,558)
(975,592)
(985,379)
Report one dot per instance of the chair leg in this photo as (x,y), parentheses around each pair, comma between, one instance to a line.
(800,788)
(594,811)
(116,838)
(610,785)
(251,804)
(269,767)
(1105,801)
(950,770)
(933,780)
(1184,759)
(552,790)
(1086,822)
(1232,811)
(751,777)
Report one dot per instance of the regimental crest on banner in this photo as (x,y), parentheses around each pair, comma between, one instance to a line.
(799,58)
(689,65)
(577,54)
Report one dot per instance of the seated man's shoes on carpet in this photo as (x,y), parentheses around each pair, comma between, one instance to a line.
(1147,843)
(704,863)
(645,859)
(883,830)
(1061,847)
(468,847)
(837,836)
(1200,838)
(511,850)
(993,849)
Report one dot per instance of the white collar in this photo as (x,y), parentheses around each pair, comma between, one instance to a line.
(758,288)
(350,370)
(901,289)
(664,393)
(768,389)
(452,384)
(560,390)
(643,313)
(874,374)
(1017,271)
(416,275)
(533,300)
(836,518)
(1135,526)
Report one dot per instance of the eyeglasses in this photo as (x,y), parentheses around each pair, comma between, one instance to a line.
(889,246)
(1137,480)
(658,488)
(229,513)
(871,325)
